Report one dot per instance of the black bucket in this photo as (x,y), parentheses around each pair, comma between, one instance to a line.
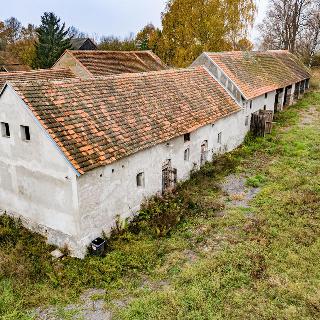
(98,246)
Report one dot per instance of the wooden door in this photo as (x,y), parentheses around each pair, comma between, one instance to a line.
(169,177)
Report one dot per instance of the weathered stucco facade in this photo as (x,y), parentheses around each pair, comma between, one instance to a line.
(36,180)
(67,180)
(38,184)
(112,190)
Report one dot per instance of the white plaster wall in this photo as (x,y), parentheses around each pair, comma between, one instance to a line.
(36,181)
(259,103)
(112,190)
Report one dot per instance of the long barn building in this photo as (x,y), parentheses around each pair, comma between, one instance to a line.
(269,80)
(75,153)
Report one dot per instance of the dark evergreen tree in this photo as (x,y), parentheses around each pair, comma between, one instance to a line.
(53,40)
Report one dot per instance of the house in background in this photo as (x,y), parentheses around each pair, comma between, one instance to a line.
(35,75)
(258,80)
(76,153)
(83,44)
(9,63)
(89,64)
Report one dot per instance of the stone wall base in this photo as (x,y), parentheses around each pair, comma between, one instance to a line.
(78,248)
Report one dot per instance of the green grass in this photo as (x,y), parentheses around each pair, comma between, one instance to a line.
(181,261)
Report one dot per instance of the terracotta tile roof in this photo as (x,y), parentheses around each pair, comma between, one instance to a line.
(103,63)
(98,121)
(41,74)
(11,63)
(258,72)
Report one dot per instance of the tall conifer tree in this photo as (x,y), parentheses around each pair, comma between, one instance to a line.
(53,40)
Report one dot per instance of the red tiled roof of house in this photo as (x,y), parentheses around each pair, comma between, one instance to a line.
(10,63)
(98,121)
(103,63)
(41,74)
(258,72)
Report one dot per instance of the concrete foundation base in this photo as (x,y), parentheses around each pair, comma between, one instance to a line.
(77,248)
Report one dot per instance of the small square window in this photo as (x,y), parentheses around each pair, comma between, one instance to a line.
(187,154)
(140,179)
(5,129)
(264,107)
(220,137)
(186,137)
(25,133)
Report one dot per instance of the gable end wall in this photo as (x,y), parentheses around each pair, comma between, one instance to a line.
(36,182)
(68,61)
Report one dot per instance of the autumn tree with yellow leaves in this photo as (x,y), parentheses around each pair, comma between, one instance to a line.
(190,27)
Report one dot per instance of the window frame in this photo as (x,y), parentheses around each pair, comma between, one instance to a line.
(140,180)
(186,152)
(220,137)
(25,133)
(5,129)
(187,137)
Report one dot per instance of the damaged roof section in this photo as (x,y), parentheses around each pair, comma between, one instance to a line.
(41,74)
(98,121)
(103,63)
(258,72)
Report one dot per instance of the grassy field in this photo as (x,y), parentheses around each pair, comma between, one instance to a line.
(192,255)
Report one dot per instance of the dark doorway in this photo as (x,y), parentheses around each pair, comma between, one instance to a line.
(204,153)
(287,95)
(276,102)
(169,176)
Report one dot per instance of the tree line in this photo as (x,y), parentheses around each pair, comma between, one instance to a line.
(189,27)
(293,25)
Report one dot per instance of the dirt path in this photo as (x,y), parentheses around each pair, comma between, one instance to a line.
(310,116)
(236,191)
(90,307)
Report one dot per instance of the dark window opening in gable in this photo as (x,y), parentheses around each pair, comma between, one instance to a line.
(251,104)
(187,137)
(140,179)
(5,129)
(187,154)
(264,107)
(220,137)
(266,95)
(25,133)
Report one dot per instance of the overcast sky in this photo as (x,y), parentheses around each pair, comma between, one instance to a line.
(96,17)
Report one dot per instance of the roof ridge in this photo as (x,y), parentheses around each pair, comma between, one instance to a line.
(104,78)
(109,51)
(248,51)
